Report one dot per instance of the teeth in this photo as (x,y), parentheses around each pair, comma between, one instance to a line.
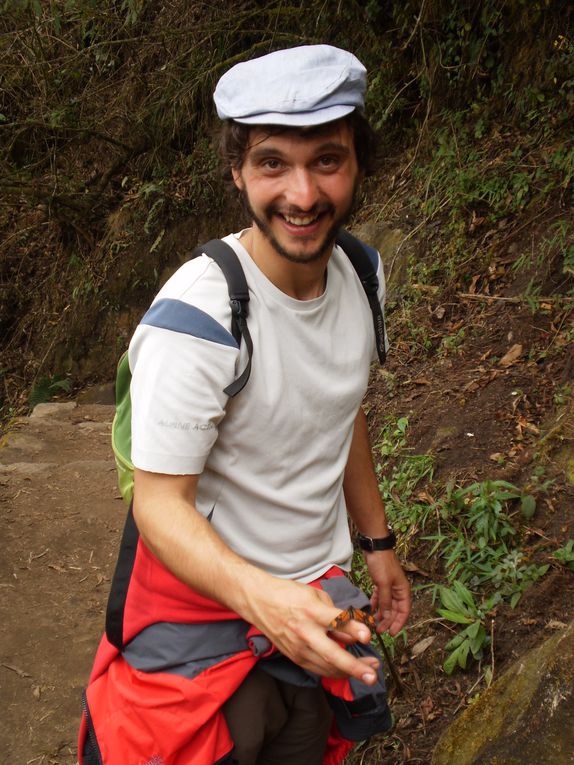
(304,220)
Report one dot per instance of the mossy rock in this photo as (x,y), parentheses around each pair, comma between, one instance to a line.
(388,241)
(525,716)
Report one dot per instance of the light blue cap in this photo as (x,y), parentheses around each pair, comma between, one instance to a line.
(296,87)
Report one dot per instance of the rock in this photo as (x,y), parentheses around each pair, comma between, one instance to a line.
(98,394)
(565,459)
(444,433)
(42,411)
(387,241)
(525,716)
(565,455)
(25,468)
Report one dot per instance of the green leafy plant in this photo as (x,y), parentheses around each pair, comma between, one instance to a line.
(511,575)
(460,608)
(45,388)
(452,344)
(400,472)
(475,539)
(565,555)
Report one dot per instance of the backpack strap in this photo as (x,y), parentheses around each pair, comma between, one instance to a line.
(121,581)
(226,258)
(357,253)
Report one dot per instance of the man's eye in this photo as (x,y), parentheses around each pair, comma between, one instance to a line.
(271,164)
(328,161)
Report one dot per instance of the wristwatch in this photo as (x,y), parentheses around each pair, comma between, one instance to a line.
(370,544)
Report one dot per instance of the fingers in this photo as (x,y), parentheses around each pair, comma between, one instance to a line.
(351,632)
(319,651)
(334,661)
(391,599)
(392,607)
(296,619)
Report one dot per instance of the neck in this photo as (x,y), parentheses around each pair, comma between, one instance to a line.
(302,281)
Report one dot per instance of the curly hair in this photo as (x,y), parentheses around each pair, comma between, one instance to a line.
(234,142)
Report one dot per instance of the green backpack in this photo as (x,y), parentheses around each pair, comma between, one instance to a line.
(227,260)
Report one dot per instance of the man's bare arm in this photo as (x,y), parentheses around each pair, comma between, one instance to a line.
(391,601)
(294,616)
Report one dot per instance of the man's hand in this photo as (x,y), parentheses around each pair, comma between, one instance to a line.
(391,599)
(295,617)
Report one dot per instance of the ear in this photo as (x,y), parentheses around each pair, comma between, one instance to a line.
(237,179)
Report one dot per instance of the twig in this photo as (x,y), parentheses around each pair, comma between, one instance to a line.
(420,138)
(397,94)
(492,649)
(423,126)
(470,690)
(410,235)
(399,686)
(68,129)
(17,670)
(514,300)
(416,26)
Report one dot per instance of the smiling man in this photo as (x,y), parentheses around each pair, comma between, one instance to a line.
(299,189)
(235,649)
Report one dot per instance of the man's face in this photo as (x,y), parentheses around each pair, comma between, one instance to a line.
(299,187)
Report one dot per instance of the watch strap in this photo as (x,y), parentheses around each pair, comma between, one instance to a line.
(374,544)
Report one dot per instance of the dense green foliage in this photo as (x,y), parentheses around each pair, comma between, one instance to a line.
(107,142)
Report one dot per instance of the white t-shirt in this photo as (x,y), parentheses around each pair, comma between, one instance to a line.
(271,459)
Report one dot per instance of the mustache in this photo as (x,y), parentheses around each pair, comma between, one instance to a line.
(293,212)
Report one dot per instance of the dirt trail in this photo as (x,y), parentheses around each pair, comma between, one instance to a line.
(60,517)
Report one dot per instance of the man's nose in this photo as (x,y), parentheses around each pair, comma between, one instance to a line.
(302,191)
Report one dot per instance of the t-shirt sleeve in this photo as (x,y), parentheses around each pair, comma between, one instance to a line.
(182,357)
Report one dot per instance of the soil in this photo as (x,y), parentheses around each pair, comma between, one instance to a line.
(61,520)
(62,517)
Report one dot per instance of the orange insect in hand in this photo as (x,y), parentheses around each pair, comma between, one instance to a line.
(353,613)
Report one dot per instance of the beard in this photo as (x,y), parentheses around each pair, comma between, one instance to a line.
(264,225)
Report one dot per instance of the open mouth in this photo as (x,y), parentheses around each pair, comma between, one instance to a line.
(300,220)
(303,222)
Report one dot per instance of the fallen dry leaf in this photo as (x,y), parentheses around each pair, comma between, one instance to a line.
(426,707)
(422,646)
(473,283)
(476,221)
(412,568)
(55,567)
(512,356)
(554,624)
(523,424)
(422,381)
(481,382)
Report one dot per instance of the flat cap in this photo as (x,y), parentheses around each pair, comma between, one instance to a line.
(296,87)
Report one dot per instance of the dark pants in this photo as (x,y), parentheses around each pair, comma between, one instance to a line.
(275,723)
